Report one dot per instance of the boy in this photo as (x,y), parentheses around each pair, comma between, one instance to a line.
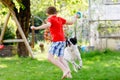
(55,24)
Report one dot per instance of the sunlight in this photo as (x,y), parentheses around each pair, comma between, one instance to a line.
(118,57)
(8,58)
(86,67)
(40,59)
(3,66)
(106,65)
(115,64)
(89,62)
(40,56)
(97,58)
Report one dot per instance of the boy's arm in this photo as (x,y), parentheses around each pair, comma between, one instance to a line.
(48,24)
(72,21)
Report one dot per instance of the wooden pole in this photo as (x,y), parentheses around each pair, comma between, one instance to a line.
(33,33)
(4,28)
(22,33)
(13,40)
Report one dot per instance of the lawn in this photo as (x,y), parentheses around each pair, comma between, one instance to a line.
(97,65)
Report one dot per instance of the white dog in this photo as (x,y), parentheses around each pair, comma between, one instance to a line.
(72,54)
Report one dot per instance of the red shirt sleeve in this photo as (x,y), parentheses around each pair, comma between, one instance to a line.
(63,20)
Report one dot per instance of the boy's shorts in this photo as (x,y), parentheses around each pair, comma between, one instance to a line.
(57,48)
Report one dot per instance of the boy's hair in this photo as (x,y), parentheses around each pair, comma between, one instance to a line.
(51,10)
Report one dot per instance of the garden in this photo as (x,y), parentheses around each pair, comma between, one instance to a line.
(23,51)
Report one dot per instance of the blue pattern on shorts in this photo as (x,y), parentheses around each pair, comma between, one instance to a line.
(57,48)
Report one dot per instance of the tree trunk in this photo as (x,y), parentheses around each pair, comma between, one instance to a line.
(23,17)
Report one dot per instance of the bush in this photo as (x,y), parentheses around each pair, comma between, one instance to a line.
(89,54)
(9,34)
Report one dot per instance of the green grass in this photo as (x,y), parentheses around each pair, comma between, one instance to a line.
(97,65)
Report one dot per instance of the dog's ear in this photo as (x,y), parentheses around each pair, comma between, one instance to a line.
(73,40)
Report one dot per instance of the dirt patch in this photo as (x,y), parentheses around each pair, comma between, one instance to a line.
(7,51)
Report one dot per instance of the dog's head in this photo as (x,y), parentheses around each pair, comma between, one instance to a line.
(71,41)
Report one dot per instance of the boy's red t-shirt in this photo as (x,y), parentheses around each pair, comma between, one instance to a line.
(56,28)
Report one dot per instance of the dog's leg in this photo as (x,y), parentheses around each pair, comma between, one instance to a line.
(79,59)
(80,62)
(75,66)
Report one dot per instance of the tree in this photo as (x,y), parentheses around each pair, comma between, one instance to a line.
(23,17)
(64,7)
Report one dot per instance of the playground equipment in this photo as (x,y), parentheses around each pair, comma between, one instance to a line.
(1,47)
(11,13)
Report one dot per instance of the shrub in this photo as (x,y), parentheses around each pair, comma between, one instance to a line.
(9,34)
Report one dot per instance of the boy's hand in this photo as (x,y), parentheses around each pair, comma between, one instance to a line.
(33,27)
(78,15)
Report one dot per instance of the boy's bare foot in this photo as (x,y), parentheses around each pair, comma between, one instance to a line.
(65,74)
(69,75)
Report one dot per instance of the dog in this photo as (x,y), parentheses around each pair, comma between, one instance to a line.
(72,54)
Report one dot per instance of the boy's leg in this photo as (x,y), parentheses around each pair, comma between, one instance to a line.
(58,63)
(64,62)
